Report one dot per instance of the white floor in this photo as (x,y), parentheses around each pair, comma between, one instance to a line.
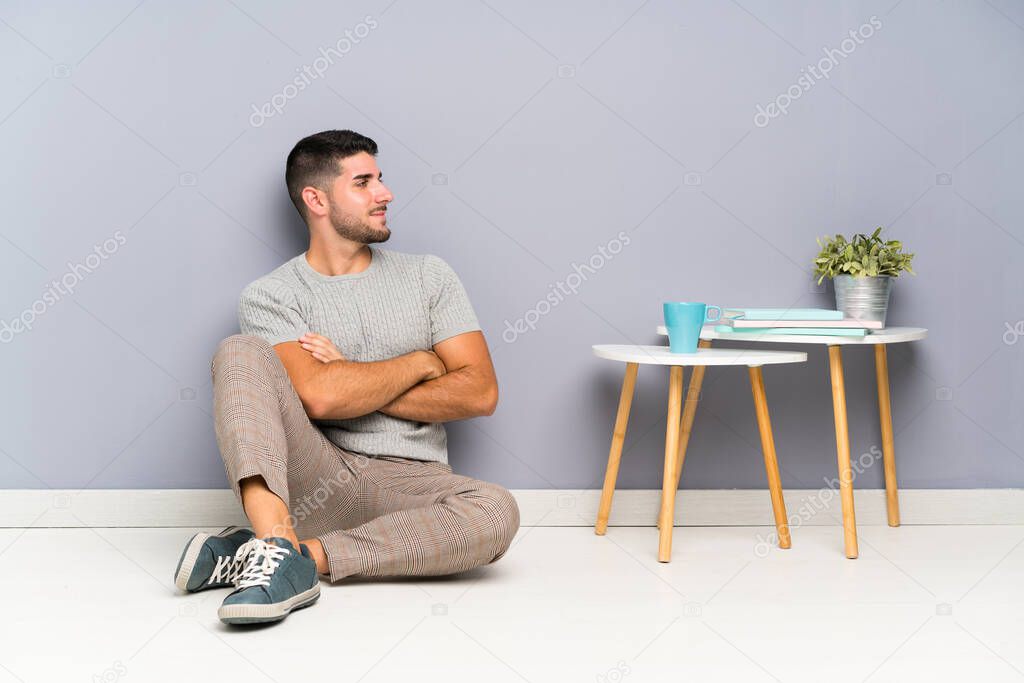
(938,603)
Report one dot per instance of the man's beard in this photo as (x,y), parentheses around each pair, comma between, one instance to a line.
(356,229)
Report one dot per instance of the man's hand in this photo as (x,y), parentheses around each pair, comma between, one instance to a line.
(334,388)
(322,348)
(436,365)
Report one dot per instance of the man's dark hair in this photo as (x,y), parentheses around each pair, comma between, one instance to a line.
(315,161)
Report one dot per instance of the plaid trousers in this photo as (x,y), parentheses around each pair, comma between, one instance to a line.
(375,516)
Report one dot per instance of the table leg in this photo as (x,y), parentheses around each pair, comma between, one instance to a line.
(892,496)
(835,361)
(771,463)
(668,497)
(615,454)
(689,412)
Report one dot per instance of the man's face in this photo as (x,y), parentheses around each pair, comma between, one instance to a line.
(359,201)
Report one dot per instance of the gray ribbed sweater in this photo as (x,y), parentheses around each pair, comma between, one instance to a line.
(400,303)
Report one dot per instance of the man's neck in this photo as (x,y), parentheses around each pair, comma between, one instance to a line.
(341,258)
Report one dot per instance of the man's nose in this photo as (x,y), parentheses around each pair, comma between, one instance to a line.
(385,196)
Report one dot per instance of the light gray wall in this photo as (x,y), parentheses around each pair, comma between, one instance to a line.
(519,138)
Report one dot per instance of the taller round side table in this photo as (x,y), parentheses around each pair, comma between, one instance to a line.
(879,339)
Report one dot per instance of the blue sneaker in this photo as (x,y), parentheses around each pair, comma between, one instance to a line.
(210,561)
(276,579)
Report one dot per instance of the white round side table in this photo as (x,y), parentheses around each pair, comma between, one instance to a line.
(680,423)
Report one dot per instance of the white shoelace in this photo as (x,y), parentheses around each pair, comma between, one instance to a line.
(261,559)
(227,569)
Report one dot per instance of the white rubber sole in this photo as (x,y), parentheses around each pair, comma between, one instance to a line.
(256,614)
(188,560)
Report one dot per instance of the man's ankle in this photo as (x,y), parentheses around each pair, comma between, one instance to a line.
(291,538)
(316,550)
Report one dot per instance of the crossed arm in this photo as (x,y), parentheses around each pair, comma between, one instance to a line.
(453,382)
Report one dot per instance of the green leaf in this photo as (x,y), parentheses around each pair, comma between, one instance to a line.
(862,255)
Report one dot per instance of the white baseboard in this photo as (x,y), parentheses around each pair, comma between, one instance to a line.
(538,507)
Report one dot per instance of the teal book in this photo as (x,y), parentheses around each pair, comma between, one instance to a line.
(783,313)
(817,331)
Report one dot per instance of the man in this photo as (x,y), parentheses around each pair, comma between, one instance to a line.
(328,407)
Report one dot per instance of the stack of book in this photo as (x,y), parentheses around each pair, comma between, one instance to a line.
(811,321)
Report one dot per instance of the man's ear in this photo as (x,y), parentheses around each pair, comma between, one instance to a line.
(315,200)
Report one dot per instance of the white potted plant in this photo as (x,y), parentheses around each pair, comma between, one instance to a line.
(862,270)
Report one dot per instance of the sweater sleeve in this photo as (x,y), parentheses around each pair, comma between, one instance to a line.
(449,308)
(267,309)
